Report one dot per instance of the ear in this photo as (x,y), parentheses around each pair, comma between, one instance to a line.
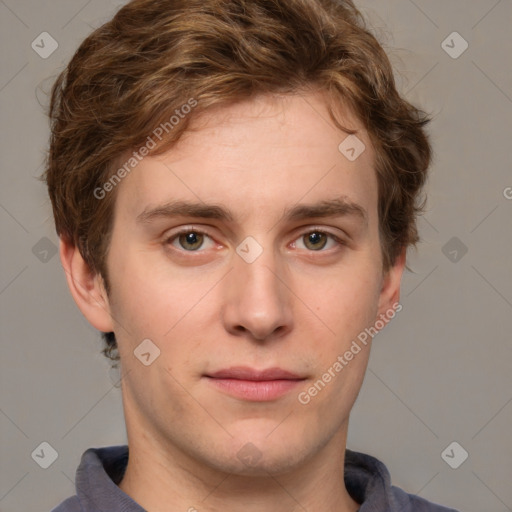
(86,287)
(390,292)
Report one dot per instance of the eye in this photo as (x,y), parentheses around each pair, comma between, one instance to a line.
(190,240)
(317,241)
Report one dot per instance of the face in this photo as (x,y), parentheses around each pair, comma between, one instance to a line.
(249,255)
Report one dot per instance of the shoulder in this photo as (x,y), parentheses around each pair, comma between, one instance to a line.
(404,501)
(368,481)
(70,505)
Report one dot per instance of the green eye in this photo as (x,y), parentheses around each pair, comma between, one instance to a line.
(315,240)
(191,241)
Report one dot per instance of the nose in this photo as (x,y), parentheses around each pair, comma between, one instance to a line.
(257,300)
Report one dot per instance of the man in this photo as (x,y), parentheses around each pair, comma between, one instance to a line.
(235,185)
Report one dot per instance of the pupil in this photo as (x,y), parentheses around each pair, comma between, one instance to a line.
(191,240)
(316,240)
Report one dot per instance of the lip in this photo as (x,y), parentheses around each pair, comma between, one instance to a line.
(255,385)
(246,373)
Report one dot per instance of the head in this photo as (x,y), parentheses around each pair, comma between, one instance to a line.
(186,133)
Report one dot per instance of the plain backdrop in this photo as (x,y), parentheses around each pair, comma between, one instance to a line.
(439,373)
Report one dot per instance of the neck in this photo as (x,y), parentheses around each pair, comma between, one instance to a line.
(160,476)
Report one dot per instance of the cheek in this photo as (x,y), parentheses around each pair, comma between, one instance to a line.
(345,302)
(346,310)
(168,307)
(143,296)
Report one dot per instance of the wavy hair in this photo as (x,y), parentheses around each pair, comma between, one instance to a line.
(136,70)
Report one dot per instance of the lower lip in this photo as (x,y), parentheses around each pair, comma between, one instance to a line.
(256,391)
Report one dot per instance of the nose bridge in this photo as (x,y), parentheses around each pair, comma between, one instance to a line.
(259,279)
(257,301)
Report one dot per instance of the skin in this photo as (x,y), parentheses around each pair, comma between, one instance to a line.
(298,306)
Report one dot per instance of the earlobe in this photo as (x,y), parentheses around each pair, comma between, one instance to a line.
(86,287)
(390,291)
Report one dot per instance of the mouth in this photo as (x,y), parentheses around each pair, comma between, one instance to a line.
(255,385)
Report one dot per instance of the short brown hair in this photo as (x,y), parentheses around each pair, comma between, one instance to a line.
(132,73)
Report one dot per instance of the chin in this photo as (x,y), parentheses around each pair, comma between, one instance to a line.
(249,462)
(259,455)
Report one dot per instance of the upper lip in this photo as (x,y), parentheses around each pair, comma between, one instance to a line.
(246,373)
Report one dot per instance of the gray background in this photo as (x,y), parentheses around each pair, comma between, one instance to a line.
(440,372)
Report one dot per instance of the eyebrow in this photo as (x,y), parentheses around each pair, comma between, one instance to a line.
(328,208)
(184,209)
(339,207)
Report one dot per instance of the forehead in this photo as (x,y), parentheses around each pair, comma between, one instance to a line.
(272,152)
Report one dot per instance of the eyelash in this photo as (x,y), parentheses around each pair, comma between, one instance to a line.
(187,230)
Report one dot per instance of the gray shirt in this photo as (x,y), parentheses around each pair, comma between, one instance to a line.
(101,469)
